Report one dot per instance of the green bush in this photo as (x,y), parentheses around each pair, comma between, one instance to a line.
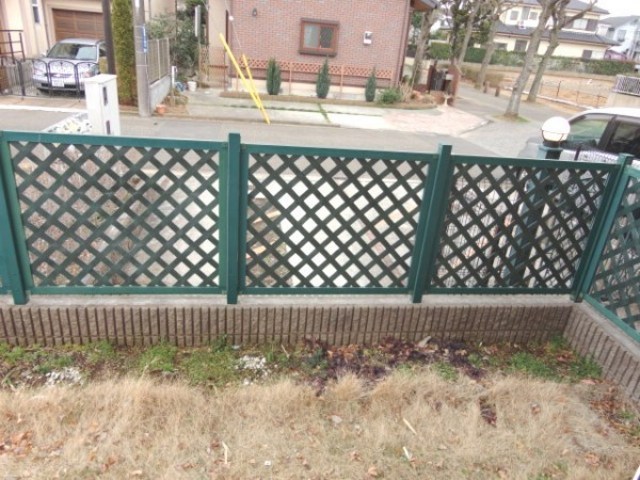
(608,67)
(370,88)
(474,55)
(274,77)
(389,96)
(124,50)
(440,51)
(324,80)
(508,59)
(183,44)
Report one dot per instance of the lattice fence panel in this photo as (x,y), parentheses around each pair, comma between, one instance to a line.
(514,227)
(331,221)
(314,68)
(616,283)
(118,215)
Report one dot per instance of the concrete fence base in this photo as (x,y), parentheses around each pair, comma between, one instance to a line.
(197,321)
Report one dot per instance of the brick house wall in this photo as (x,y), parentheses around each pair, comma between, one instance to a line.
(275,31)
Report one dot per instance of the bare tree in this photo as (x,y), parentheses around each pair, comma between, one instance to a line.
(559,21)
(427,20)
(513,107)
(496,8)
(473,7)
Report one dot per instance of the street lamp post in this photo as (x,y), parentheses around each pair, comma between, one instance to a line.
(554,131)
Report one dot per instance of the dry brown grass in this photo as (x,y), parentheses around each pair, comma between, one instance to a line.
(410,425)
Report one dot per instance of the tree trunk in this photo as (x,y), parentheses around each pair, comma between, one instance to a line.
(422,47)
(490,47)
(542,67)
(513,108)
(558,11)
(468,31)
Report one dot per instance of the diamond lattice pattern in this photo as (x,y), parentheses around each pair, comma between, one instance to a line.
(328,221)
(616,282)
(509,226)
(119,215)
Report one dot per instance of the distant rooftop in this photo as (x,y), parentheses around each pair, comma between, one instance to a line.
(573,5)
(567,35)
(616,22)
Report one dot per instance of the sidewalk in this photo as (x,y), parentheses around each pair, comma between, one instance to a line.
(207,103)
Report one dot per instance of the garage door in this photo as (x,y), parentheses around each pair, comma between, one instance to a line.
(71,23)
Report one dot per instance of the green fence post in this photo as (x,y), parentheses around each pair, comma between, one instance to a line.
(233,218)
(432,212)
(600,231)
(9,224)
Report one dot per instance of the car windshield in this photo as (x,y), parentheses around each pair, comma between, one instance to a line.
(73,51)
(587,131)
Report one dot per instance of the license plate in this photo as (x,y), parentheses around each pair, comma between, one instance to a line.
(57,82)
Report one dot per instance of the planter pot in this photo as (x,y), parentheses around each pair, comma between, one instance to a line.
(191,85)
(161,109)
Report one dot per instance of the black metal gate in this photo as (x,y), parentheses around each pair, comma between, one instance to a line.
(16,77)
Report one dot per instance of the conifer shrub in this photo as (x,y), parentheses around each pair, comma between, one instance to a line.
(124,50)
(324,80)
(370,87)
(274,77)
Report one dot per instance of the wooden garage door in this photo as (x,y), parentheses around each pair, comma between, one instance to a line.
(71,23)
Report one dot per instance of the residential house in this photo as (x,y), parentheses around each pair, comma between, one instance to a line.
(355,36)
(43,22)
(578,40)
(626,32)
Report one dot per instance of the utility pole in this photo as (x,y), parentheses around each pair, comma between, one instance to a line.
(140,42)
(108,36)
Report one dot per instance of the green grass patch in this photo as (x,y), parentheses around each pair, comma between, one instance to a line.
(210,367)
(446,371)
(159,358)
(53,362)
(100,352)
(530,364)
(15,355)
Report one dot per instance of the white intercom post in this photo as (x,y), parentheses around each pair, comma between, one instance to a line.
(101,96)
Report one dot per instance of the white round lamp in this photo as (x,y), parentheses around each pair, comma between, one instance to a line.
(555,130)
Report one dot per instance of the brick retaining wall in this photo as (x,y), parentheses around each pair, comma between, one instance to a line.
(192,324)
(592,335)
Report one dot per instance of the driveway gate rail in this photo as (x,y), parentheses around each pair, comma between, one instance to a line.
(116,215)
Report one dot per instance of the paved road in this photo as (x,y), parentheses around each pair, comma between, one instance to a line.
(500,136)
(496,137)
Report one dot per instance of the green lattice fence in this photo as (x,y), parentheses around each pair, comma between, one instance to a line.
(328,219)
(112,215)
(123,214)
(517,227)
(616,285)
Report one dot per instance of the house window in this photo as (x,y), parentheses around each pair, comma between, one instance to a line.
(319,37)
(620,36)
(586,54)
(513,15)
(521,46)
(592,25)
(580,24)
(501,46)
(525,13)
(533,16)
(36,11)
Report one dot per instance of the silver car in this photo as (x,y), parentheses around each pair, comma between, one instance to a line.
(597,135)
(68,64)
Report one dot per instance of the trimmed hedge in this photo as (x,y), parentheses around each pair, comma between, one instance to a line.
(442,51)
